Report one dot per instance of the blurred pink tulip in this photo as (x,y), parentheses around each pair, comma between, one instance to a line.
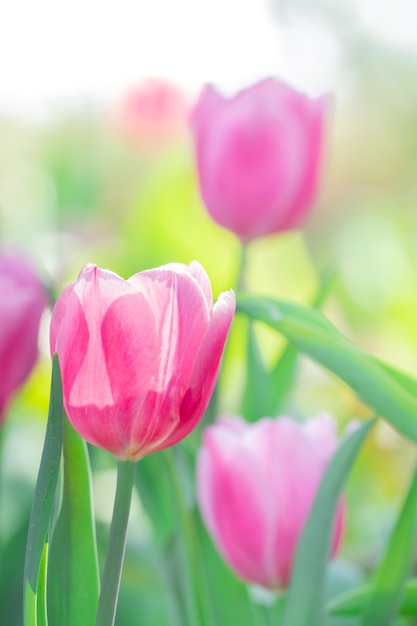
(256,484)
(23,300)
(258,156)
(154,112)
(139,357)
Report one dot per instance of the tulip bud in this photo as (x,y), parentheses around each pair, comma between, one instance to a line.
(22,303)
(139,357)
(258,156)
(256,484)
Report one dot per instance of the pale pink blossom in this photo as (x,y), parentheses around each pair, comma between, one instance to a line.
(139,357)
(256,484)
(258,156)
(153,112)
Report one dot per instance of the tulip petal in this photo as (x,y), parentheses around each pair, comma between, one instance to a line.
(128,350)
(232,512)
(181,315)
(22,303)
(258,156)
(205,367)
(59,313)
(256,484)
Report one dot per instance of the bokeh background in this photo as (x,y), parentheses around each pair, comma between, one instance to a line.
(96,165)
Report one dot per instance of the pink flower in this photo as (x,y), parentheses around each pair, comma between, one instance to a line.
(258,156)
(139,357)
(153,112)
(256,484)
(23,299)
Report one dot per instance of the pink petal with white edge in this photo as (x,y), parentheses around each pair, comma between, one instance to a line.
(91,297)
(58,315)
(200,274)
(297,472)
(323,432)
(205,367)
(228,485)
(209,99)
(69,338)
(181,315)
(314,127)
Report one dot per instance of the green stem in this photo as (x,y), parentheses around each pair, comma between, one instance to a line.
(267,609)
(212,409)
(110,583)
(241,277)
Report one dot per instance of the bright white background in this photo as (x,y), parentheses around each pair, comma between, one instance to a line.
(56,53)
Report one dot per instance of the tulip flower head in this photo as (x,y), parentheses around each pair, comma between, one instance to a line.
(153,113)
(256,484)
(21,306)
(258,156)
(139,357)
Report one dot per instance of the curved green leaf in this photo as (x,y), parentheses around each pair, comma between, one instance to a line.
(374,383)
(42,505)
(353,602)
(73,578)
(266,390)
(387,592)
(41,609)
(305,599)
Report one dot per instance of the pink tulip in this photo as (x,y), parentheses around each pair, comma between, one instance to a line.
(23,299)
(258,156)
(256,484)
(139,357)
(154,112)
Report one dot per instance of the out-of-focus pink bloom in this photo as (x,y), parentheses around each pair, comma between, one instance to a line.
(256,484)
(139,357)
(154,112)
(258,156)
(23,299)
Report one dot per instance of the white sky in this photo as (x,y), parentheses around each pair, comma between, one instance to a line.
(68,52)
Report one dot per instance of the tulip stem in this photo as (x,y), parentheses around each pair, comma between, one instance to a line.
(106,611)
(241,277)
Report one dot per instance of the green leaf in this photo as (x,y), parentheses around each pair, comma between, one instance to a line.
(44,497)
(41,608)
(256,397)
(73,580)
(353,602)
(197,599)
(385,600)
(154,488)
(404,380)
(282,378)
(182,610)
(374,383)
(266,390)
(305,599)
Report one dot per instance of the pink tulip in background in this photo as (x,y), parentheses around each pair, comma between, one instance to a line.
(23,300)
(256,484)
(153,112)
(258,155)
(139,357)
